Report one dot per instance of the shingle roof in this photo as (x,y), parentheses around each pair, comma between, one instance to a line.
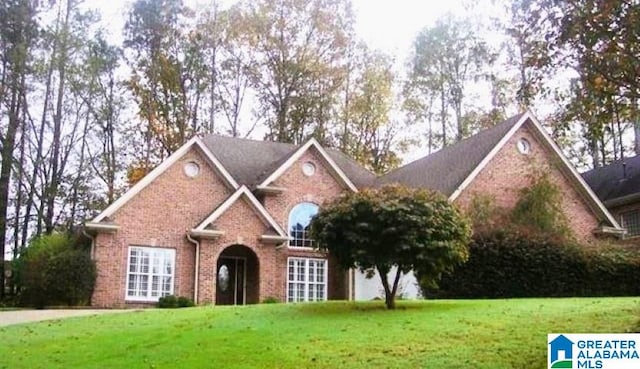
(446,169)
(251,161)
(616,180)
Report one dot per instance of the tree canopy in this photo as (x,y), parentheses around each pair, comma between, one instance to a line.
(413,229)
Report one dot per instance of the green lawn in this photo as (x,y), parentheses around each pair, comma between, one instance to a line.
(430,334)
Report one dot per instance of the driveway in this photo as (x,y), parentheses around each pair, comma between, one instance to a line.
(27,316)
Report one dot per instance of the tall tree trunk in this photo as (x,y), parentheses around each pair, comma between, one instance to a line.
(54,182)
(5,171)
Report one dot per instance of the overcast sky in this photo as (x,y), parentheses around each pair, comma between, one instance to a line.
(388,25)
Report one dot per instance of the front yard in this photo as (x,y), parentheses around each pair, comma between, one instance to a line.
(430,334)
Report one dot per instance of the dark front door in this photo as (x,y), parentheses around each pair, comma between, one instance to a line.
(230,281)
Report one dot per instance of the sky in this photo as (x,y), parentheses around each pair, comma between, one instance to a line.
(387,25)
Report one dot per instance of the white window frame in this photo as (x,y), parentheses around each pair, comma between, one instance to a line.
(634,212)
(305,233)
(305,280)
(160,254)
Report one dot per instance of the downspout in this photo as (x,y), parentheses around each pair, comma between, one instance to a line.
(197,267)
(93,243)
(351,276)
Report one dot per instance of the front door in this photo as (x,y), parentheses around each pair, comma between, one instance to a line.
(230,287)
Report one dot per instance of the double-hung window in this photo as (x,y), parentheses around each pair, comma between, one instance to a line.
(150,273)
(306,280)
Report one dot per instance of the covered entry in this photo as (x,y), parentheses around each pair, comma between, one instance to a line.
(237,276)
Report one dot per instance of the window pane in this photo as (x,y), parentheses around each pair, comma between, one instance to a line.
(150,273)
(306,280)
(631,221)
(299,223)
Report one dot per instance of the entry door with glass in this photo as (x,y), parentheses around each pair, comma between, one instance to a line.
(231,278)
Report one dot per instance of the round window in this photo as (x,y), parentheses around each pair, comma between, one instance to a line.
(308,169)
(191,169)
(524,146)
(223,278)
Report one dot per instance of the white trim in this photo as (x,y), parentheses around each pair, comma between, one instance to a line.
(243,190)
(610,230)
(298,154)
(474,173)
(306,281)
(527,116)
(150,250)
(270,238)
(157,171)
(270,190)
(574,173)
(107,227)
(288,222)
(205,233)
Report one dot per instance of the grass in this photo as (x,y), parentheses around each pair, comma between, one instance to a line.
(430,334)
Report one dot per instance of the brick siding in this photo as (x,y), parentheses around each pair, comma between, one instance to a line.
(510,171)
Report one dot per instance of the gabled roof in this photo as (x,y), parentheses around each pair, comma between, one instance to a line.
(617,183)
(445,170)
(242,193)
(252,162)
(297,154)
(453,168)
(157,171)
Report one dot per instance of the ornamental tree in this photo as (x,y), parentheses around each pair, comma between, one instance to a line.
(413,229)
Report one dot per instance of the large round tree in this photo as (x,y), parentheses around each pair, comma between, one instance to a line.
(413,229)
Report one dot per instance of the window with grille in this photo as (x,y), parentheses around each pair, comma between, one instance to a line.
(299,224)
(150,273)
(307,280)
(631,221)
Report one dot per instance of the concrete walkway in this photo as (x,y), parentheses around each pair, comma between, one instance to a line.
(26,316)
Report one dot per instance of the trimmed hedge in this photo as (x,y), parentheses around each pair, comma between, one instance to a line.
(503,265)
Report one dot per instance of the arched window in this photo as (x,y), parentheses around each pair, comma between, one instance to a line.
(299,220)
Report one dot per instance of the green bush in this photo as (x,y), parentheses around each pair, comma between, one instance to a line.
(168,302)
(503,264)
(184,302)
(55,271)
(173,302)
(270,300)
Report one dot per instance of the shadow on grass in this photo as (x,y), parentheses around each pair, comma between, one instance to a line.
(353,307)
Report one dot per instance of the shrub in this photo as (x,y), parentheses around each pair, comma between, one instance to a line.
(613,271)
(506,264)
(168,302)
(54,270)
(173,302)
(270,300)
(185,302)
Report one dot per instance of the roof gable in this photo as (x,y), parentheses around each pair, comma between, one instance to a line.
(251,162)
(288,162)
(161,168)
(242,193)
(453,168)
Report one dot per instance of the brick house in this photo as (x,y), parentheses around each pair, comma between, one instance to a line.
(225,220)
(618,187)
